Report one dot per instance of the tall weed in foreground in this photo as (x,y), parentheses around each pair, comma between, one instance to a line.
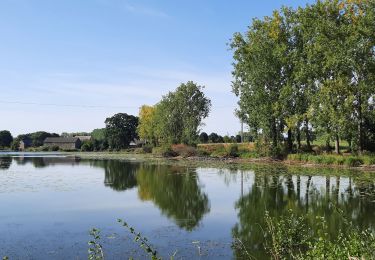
(291,238)
(141,241)
(95,248)
(95,251)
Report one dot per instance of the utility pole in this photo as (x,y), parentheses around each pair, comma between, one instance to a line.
(242,141)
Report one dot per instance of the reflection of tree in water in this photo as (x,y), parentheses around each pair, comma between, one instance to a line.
(175,191)
(119,175)
(41,162)
(38,162)
(279,193)
(5,162)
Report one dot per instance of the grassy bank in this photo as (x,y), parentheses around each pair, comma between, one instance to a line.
(229,153)
(256,164)
(331,159)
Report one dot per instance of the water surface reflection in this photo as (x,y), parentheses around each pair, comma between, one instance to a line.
(174,205)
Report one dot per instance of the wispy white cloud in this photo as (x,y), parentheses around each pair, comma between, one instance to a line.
(144,10)
(128,87)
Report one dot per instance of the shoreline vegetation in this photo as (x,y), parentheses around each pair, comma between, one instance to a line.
(226,154)
(230,154)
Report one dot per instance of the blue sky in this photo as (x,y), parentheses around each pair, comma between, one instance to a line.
(66,65)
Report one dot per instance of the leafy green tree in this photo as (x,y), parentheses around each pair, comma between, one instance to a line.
(121,129)
(98,134)
(6,138)
(87,146)
(228,139)
(305,70)
(179,114)
(215,138)
(146,128)
(38,138)
(203,137)
(260,72)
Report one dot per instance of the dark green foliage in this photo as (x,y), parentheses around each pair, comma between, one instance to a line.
(165,151)
(87,146)
(54,148)
(179,114)
(287,236)
(220,151)
(99,145)
(98,134)
(203,137)
(6,139)
(308,71)
(35,139)
(65,134)
(233,150)
(121,129)
(290,237)
(202,153)
(39,137)
(215,138)
(147,148)
(353,161)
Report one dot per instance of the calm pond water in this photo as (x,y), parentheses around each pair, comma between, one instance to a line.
(49,203)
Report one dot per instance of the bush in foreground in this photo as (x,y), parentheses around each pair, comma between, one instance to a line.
(290,237)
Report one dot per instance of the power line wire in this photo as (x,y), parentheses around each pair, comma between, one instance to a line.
(62,105)
(80,106)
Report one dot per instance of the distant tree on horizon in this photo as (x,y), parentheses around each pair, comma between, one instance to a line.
(6,138)
(121,129)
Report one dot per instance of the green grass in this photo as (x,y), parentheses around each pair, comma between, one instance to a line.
(331,159)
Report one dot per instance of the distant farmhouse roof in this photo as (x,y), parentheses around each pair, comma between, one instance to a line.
(65,143)
(83,137)
(61,139)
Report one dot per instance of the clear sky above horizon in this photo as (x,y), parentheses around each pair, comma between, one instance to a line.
(67,65)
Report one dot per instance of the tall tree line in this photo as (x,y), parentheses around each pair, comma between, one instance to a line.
(309,70)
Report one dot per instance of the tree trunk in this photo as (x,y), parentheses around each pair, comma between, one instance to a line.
(350,144)
(337,190)
(307,192)
(290,140)
(274,133)
(337,144)
(328,145)
(328,186)
(298,137)
(360,133)
(307,133)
